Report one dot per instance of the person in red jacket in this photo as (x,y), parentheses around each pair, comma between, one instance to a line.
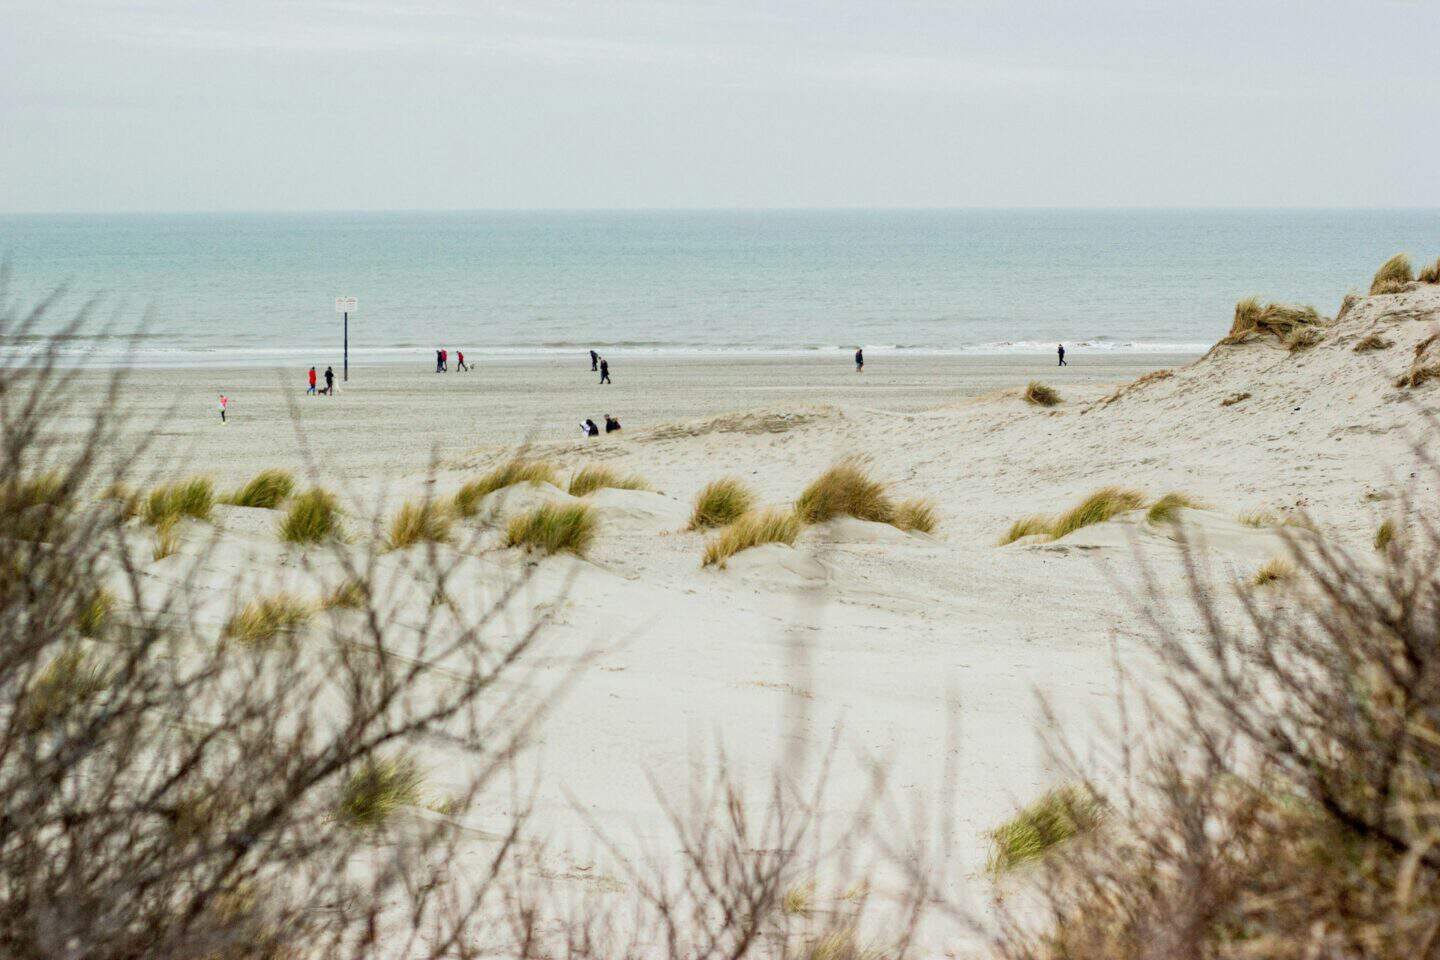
(460,361)
(312,381)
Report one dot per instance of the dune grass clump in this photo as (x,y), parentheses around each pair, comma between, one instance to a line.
(28,503)
(267,490)
(314,516)
(1235,398)
(350,595)
(378,789)
(846,489)
(1096,508)
(23,493)
(1422,367)
(589,479)
(425,522)
(1259,518)
(721,502)
(1430,274)
(1384,536)
(167,541)
(751,530)
(1393,276)
(1165,510)
(267,619)
(1281,320)
(1302,338)
(1418,375)
(468,497)
(193,498)
(69,681)
(916,514)
(94,613)
(1056,817)
(1040,395)
(1372,341)
(1346,305)
(839,943)
(1272,571)
(554,528)
(797,900)
(1026,527)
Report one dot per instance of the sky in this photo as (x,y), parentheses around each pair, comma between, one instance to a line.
(209,105)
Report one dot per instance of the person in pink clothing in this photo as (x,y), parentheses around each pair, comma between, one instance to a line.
(224,403)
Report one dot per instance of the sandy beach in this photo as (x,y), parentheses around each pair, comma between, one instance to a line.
(389,420)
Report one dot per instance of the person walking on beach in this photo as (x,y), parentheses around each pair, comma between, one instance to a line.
(611,424)
(438,361)
(859,360)
(329,381)
(460,361)
(1060,349)
(444,361)
(224,402)
(604,371)
(594,361)
(311,391)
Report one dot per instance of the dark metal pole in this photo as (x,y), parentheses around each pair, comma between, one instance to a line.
(347,346)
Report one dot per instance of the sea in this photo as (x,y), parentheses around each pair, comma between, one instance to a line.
(205,288)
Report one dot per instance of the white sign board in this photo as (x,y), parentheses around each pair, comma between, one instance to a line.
(346,304)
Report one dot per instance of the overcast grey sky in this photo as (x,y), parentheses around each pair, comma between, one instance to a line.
(110,105)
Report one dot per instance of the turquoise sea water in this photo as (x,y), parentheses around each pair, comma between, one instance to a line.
(209,288)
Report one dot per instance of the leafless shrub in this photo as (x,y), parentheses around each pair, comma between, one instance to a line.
(1285,799)
(166,795)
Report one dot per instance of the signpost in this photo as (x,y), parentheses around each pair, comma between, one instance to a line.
(346,306)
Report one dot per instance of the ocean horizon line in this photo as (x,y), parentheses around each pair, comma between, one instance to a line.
(464,211)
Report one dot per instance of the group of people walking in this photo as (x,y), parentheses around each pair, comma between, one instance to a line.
(442,361)
(588,426)
(598,362)
(329,390)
